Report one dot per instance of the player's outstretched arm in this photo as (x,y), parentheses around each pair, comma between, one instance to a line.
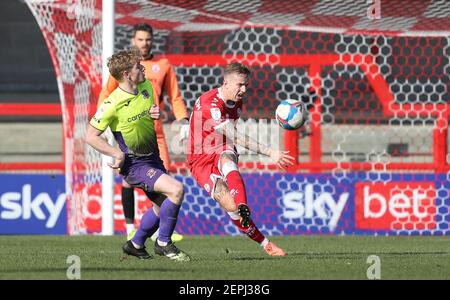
(281,158)
(93,138)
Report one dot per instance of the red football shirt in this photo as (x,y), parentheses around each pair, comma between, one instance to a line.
(211,112)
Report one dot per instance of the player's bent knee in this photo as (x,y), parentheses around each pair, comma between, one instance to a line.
(177,193)
(227,157)
(228,167)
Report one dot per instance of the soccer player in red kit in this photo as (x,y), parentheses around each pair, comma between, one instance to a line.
(212,154)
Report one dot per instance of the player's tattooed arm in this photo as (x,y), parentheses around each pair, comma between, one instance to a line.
(243,139)
(281,158)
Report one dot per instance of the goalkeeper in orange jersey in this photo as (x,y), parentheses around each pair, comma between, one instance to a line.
(163,78)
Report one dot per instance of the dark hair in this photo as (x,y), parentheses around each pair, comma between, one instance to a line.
(142,27)
(237,68)
(123,61)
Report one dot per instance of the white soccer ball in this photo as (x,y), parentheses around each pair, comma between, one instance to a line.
(291,114)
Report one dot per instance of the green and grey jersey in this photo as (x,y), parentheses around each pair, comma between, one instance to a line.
(129,119)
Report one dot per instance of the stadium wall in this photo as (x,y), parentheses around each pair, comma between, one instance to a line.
(282,203)
(25,62)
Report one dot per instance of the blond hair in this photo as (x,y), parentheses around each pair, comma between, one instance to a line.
(237,68)
(123,61)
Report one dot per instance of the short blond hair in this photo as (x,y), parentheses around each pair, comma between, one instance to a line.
(123,61)
(237,68)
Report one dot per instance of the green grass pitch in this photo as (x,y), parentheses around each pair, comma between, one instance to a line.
(228,258)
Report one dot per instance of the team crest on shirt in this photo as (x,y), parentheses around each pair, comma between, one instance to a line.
(156,68)
(145,94)
(216,114)
(151,173)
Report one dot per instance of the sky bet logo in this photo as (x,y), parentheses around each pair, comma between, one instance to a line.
(23,206)
(395,205)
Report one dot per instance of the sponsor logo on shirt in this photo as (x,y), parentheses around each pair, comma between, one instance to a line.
(138,116)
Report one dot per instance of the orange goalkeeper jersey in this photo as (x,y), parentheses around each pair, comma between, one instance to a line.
(162,76)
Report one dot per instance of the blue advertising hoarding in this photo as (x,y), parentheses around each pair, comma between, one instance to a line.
(281,204)
(32,204)
(303,204)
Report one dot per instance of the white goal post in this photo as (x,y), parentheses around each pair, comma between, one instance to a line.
(108,21)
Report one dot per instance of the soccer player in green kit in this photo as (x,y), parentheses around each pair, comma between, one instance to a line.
(129,111)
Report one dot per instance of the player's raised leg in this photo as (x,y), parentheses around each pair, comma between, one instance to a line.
(223,196)
(229,169)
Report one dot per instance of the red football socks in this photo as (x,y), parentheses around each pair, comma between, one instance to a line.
(236,187)
(252,231)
